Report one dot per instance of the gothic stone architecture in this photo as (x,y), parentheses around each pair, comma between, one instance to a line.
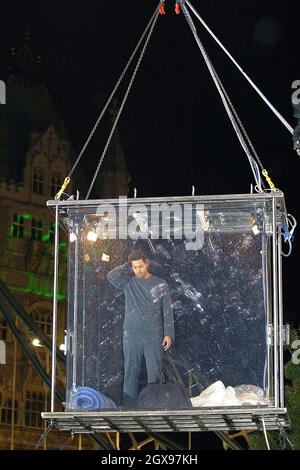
(35,155)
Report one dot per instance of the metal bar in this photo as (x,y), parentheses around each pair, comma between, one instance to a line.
(27,348)
(280,322)
(234,412)
(225,438)
(275,302)
(83,328)
(13,396)
(265,266)
(98,438)
(23,315)
(171,423)
(75,312)
(166,440)
(264,98)
(101,421)
(212,198)
(54,325)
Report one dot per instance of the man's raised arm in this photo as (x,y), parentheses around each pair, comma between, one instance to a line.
(120,275)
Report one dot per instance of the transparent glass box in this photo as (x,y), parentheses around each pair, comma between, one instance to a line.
(212,284)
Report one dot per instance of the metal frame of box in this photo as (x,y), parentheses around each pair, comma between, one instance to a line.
(204,419)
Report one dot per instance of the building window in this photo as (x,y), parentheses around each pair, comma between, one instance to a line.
(7,412)
(34,405)
(52,233)
(3,329)
(55,182)
(38,180)
(36,229)
(18,226)
(43,318)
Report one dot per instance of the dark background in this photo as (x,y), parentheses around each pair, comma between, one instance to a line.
(174,129)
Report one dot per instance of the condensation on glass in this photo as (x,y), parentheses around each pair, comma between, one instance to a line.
(220,259)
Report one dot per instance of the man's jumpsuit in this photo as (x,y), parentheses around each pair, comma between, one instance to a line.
(148,318)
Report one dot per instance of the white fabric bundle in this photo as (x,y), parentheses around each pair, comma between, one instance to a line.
(217,395)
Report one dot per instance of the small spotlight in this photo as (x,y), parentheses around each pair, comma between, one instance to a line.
(62,347)
(87,257)
(72,237)
(92,236)
(255,229)
(105,257)
(36,342)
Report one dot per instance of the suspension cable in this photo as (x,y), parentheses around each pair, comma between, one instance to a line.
(238,119)
(260,93)
(154,20)
(241,126)
(119,81)
(217,81)
(265,434)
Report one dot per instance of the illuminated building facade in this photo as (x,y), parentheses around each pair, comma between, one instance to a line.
(35,156)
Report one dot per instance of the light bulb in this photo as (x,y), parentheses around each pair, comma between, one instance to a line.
(92,236)
(72,237)
(105,257)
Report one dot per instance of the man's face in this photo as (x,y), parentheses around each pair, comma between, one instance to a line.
(140,268)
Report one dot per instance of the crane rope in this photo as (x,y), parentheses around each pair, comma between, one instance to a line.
(227,104)
(152,25)
(255,87)
(99,119)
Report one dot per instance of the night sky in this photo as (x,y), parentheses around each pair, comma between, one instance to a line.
(174,129)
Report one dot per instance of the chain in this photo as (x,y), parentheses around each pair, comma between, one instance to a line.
(123,103)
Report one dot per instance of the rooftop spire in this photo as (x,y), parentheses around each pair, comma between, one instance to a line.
(23,59)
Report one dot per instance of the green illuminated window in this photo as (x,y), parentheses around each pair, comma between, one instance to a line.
(36,229)
(18,226)
(56,182)
(51,233)
(38,180)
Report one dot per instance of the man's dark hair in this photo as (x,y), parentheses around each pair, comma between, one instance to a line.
(136,255)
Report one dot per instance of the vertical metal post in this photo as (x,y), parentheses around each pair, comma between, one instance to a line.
(54,325)
(83,328)
(266,286)
(12,443)
(74,344)
(280,325)
(275,302)
(46,401)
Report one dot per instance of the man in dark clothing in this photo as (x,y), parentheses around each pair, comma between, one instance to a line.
(149,322)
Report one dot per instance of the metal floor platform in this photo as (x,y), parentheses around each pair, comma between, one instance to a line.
(205,419)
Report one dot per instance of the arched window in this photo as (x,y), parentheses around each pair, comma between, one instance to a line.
(7,412)
(34,405)
(42,317)
(36,229)
(18,226)
(38,180)
(56,182)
